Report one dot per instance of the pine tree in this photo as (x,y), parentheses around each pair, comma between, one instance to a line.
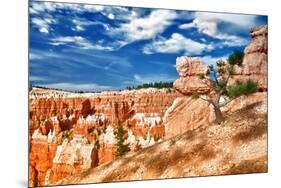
(121,147)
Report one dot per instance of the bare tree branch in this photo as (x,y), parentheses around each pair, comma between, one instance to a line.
(207,100)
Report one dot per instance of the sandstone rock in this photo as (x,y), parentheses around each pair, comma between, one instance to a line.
(41,156)
(108,137)
(189,70)
(77,151)
(151,120)
(72,157)
(56,112)
(254,65)
(188,66)
(131,140)
(190,84)
(106,153)
(259,41)
(188,114)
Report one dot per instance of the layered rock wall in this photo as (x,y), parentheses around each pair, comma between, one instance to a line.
(254,66)
(71,133)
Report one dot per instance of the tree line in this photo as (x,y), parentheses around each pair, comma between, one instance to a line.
(158,85)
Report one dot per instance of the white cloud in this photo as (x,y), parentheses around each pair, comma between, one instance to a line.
(78,41)
(81,23)
(34,56)
(141,79)
(142,28)
(43,30)
(75,87)
(43,25)
(208,23)
(210,60)
(38,78)
(187,25)
(94,8)
(79,28)
(38,7)
(176,43)
(111,16)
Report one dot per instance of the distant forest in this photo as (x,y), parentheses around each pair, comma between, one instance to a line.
(158,85)
(57,89)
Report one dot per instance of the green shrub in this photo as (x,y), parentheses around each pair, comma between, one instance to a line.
(121,147)
(236,58)
(242,88)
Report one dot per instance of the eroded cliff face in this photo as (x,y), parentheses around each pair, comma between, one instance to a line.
(73,132)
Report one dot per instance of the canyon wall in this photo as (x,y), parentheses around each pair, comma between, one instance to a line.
(72,132)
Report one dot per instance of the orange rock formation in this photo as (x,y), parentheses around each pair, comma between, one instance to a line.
(56,119)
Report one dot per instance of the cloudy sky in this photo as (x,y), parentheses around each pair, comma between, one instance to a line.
(90,47)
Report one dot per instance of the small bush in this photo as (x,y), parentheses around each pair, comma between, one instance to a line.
(236,58)
(242,88)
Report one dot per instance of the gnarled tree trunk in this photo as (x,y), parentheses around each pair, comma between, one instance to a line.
(218,114)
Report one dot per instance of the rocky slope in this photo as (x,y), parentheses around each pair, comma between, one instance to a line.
(237,146)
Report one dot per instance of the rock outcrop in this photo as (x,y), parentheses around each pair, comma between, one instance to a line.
(41,156)
(189,70)
(188,114)
(254,64)
(72,157)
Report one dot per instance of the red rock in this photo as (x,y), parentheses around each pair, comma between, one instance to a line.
(190,84)
(254,65)
(190,70)
(106,153)
(70,116)
(41,159)
(188,66)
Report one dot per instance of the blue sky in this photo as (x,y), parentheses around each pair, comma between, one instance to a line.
(95,48)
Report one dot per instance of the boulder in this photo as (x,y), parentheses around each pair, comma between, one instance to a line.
(190,70)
